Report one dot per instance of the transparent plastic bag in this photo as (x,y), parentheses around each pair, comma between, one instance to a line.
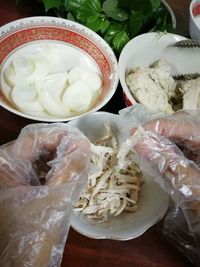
(168,148)
(41,173)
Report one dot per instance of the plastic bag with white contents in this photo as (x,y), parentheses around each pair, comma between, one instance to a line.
(168,148)
(41,173)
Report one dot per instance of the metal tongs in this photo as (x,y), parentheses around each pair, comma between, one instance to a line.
(188,43)
(185,45)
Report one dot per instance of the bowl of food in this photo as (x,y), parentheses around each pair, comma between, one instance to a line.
(157,69)
(194,22)
(117,203)
(54,69)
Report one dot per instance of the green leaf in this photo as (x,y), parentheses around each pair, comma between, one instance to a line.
(112,30)
(48,4)
(74,5)
(84,8)
(119,41)
(155,4)
(111,9)
(136,21)
(116,36)
(104,25)
(144,6)
(129,4)
(94,23)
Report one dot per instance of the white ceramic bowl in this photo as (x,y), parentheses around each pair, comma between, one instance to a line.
(85,46)
(144,50)
(153,201)
(194,22)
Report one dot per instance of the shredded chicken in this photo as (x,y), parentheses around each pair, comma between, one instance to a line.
(111,189)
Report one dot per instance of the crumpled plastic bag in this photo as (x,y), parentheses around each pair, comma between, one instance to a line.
(174,162)
(35,197)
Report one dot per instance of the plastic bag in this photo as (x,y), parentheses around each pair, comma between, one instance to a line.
(35,197)
(157,144)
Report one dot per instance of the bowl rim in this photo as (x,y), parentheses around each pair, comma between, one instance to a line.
(23,23)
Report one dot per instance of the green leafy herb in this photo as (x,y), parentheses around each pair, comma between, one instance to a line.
(136,22)
(84,9)
(155,4)
(111,9)
(117,21)
(52,4)
(120,40)
(94,23)
(104,25)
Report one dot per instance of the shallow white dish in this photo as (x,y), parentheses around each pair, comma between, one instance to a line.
(84,47)
(153,201)
(145,49)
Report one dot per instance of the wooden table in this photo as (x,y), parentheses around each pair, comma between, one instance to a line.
(149,250)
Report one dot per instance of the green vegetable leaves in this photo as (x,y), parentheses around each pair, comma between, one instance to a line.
(84,9)
(155,4)
(136,21)
(115,20)
(145,6)
(111,9)
(116,36)
(52,4)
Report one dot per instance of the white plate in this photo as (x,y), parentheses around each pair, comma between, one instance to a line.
(153,201)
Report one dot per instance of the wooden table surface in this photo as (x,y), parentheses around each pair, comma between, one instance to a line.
(148,250)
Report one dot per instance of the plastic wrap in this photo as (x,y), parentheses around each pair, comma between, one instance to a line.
(168,148)
(35,197)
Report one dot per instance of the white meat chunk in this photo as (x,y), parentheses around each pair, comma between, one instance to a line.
(147,91)
(160,72)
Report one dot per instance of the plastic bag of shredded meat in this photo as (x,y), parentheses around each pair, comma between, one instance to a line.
(168,148)
(41,173)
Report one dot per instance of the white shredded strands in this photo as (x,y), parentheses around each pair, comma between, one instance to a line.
(114,182)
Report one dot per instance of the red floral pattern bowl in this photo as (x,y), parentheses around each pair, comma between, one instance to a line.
(23,32)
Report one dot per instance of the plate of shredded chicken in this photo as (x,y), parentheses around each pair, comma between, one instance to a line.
(119,201)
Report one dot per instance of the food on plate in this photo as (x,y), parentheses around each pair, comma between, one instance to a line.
(155,87)
(41,83)
(111,189)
